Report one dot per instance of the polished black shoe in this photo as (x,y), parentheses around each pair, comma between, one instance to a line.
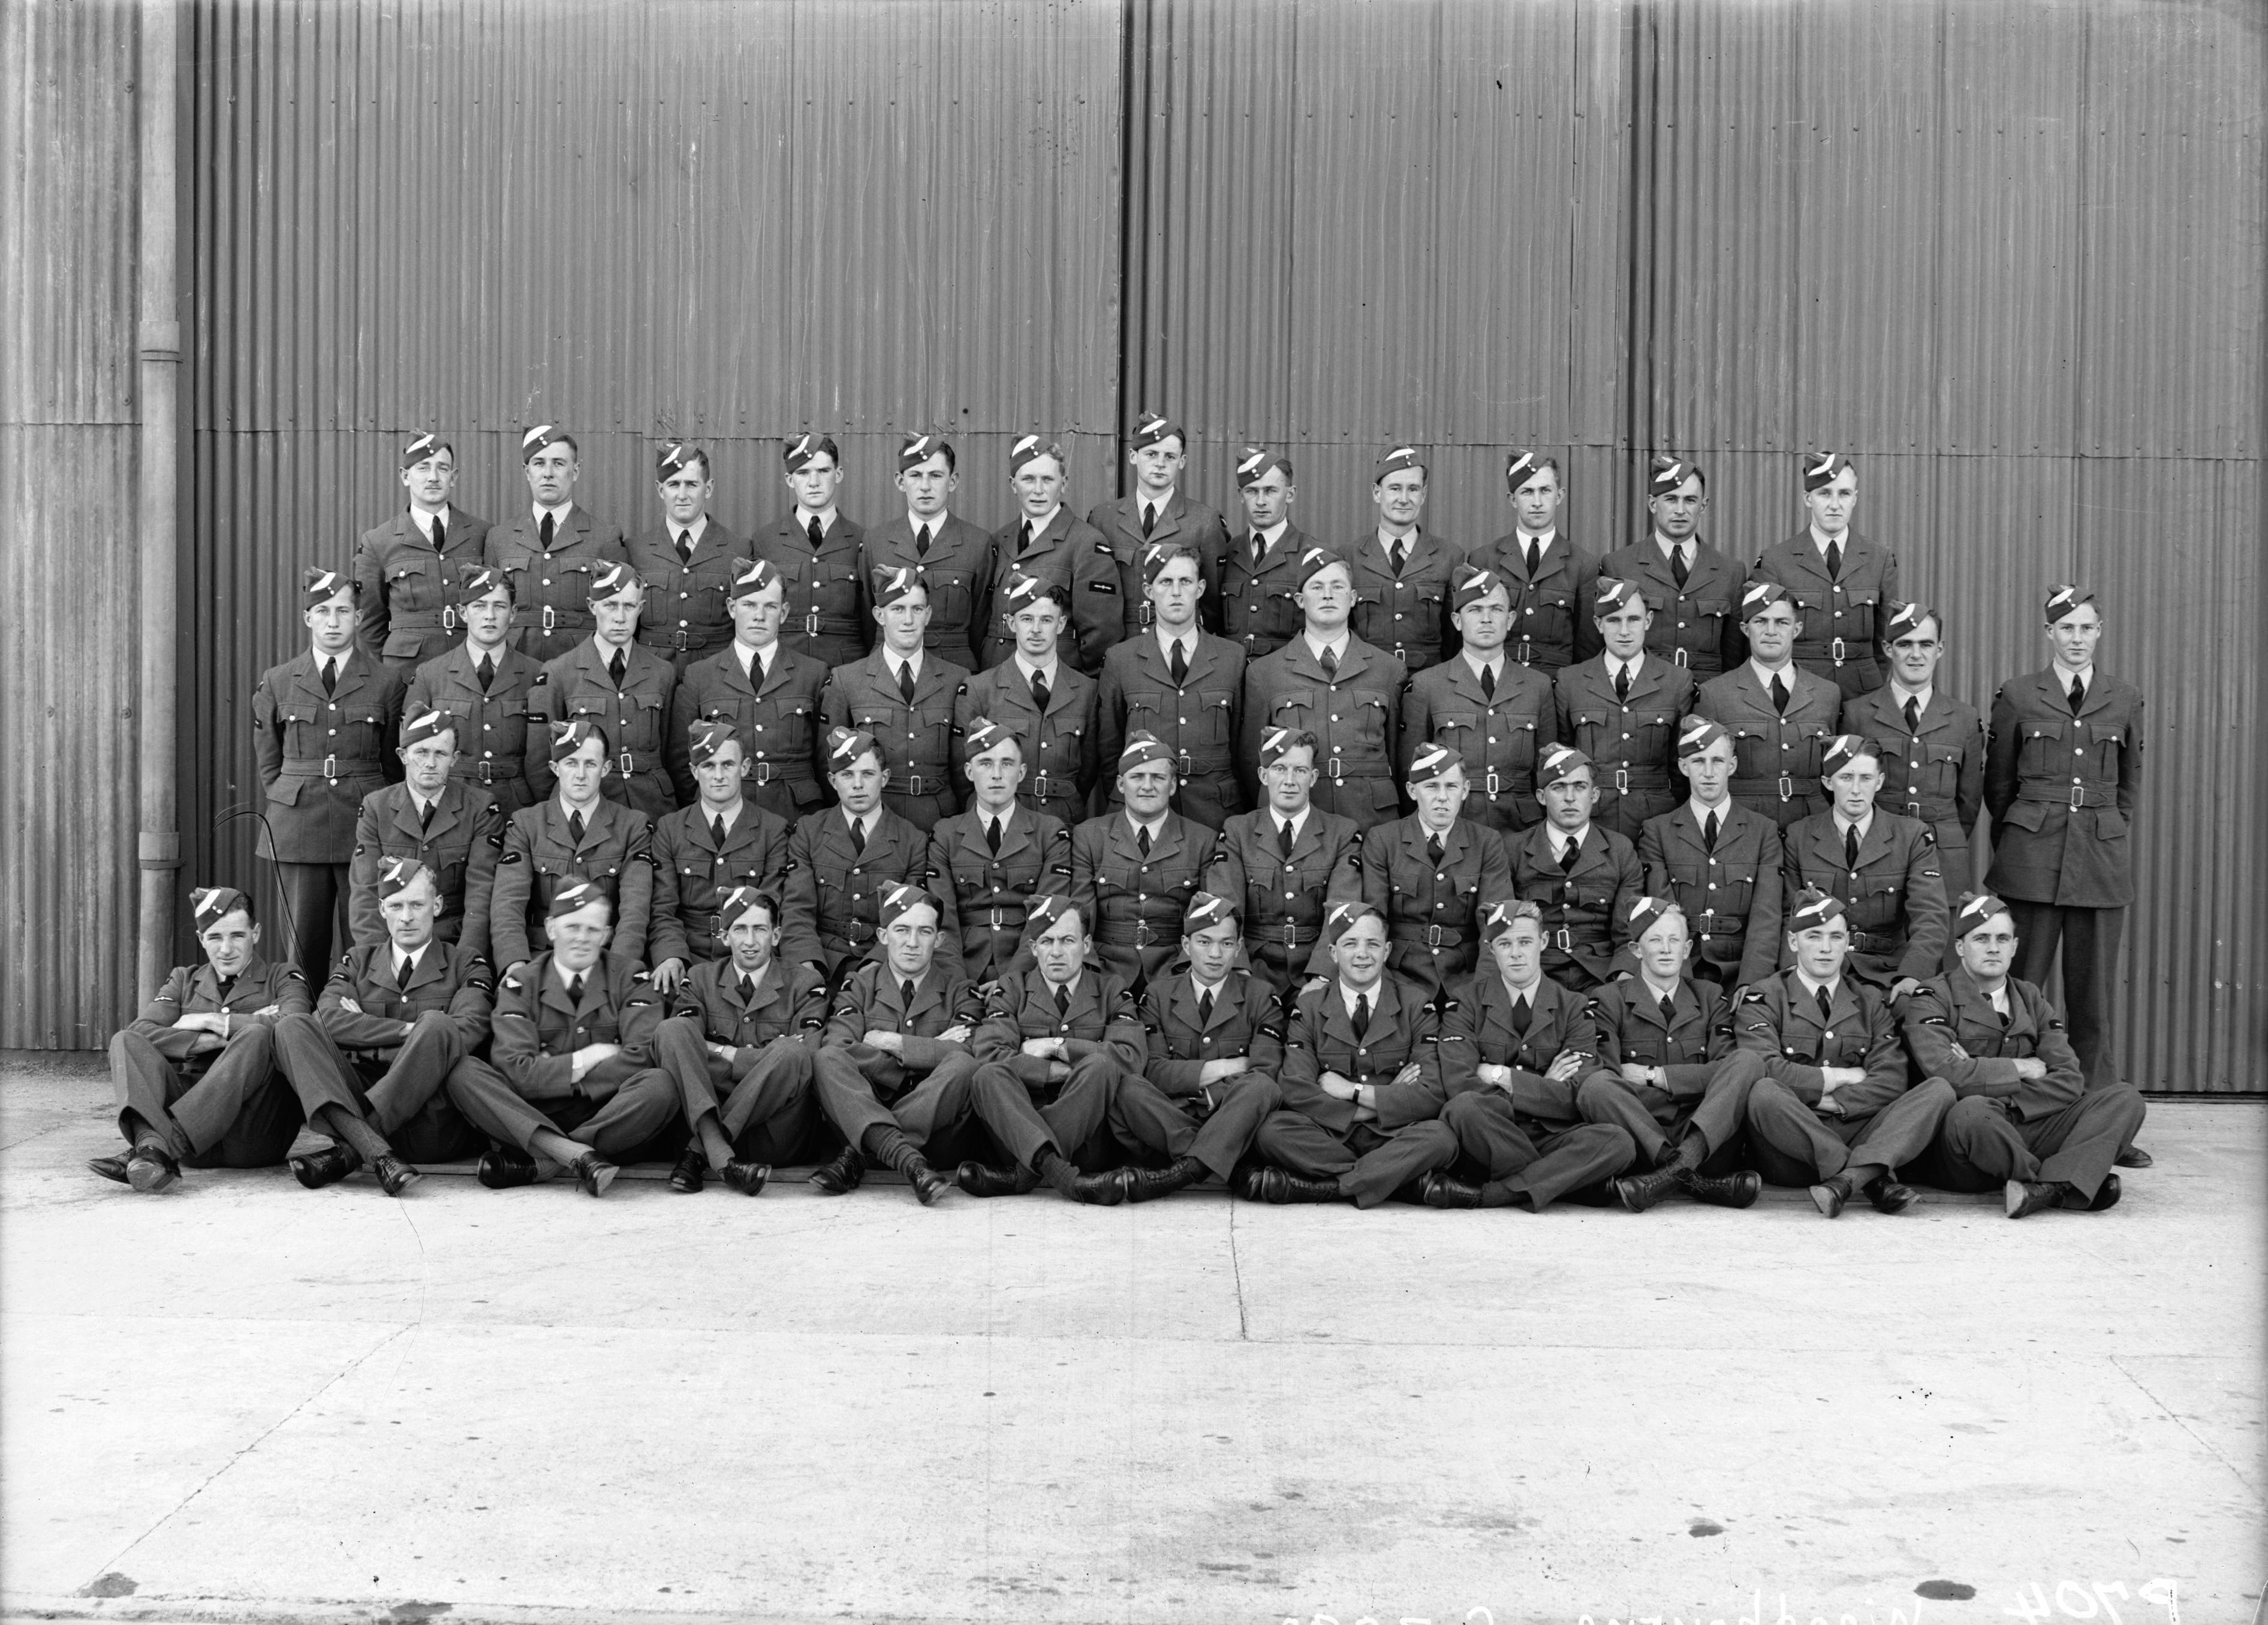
(745,1176)
(505,1167)
(2028,1197)
(978,1180)
(1280,1186)
(1726,1190)
(395,1175)
(327,1166)
(149,1170)
(594,1173)
(844,1174)
(928,1184)
(1148,1184)
(2132,1157)
(109,1167)
(2106,1195)
(691,1171)
(1641,1191)
(1889,1196)
(1100,1190)
(1830,1195)
(1440,1190)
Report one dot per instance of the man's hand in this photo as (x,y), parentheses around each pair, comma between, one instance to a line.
(198,1021)
(1492,1073)
(1564,1066)
(513,969)
(205,1042)
(1050,1048)
(1057,1071)
(888,1042)
(1902,986)
(667,974)
(2031,1069)
(723,1052)
(353,1006)
(1339,1088)
(581,1062)
(1313,982)
(1408,1075)
(958,1033)
(1638,1077)
(1227,1066)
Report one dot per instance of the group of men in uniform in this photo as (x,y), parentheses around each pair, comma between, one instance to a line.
(728,850)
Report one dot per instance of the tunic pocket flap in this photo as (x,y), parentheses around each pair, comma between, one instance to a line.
(2027,815)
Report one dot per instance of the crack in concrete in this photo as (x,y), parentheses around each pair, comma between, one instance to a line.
(2242,1477)
(1236,1270)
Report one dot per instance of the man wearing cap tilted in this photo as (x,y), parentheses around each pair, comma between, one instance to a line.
(2025,1121)
(1781,716)
(1933,744)
(768,692)
(1328,682)
(385,1061)
(1497,712)
(1285,863)
(483,683)
(1259,581)
(818,553)
(1401,569)
(1361,1083)
(1694,588)
(1049,704)
(574,1034)
(1046,541)
(609,680)
(1843,584)
(1719,863)
(722,842)
(1881,866)
(687,561)
(908,700)
(842,860)
(552,551)
(323,727)
(994,858)
(406,570)
(434,819)
(955,555)
(575,833)
(1549,578)
(1833,1110)
(194,1074)
(1432,875)
(2060,777)
(747,1021)
(1623,710)
(1135,869)
(1181,684)
(1582,877)
(1158,513)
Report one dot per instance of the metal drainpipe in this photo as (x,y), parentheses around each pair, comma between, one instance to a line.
(160,346)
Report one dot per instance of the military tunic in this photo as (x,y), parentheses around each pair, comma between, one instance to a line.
(1181,523)
(780,728)
(1839,617)
(1354,713)
(1317,1135)
(692,873)
(959,567)
(576,687)
(461,846)
(1226,1114)
(626,1108)
(1260,605)
(1936,774)
(1796,1135)
(1498,734)
(1434,906)
(1199,719)
(1133,901)
(541,855)
(1777,756)
(828,616)
(1552,623)
(1073,555)
(1585,908)
(1283,895)
(1706,1076)
(491,723)
(551,592)
(1696,625)
(1632,741)
(1062,760)
(224,1107)
(764,1095)
(687,615)
(930,1093)
(1894,900)
(833,906)
(1103,1107)
(920,738)
(406,592)
(1730,893)
(1405,613)
(989,892)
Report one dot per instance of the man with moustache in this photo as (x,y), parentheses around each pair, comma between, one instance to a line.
(1158,514)
(1050,706)
(1549,578)
(1328,682)
(1841,583)
(609,680)
(406,570)
(483,684)
(842,860)
(451,829)
(1781,716)
(1719,863)
(1433,875)
(769,693)
(908,700)
(1582,878)
(1882,867)
(552,552)
(952,555)
(688,564)
(1064,552)
(1933,744)
(1133,871)
(1259,592)
(1623,710)
(1402,570)
(1283,864)
(722,842)
(1695,590)
(818,553)
(575,835)
(990,861)
(1497,712)
(1183,685)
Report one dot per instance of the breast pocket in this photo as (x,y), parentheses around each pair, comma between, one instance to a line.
(553,858)
(2042,751)
(1592,731)
(1942,771)
(646,724)
(1370,721)
(1294,708)
(950,600)
(1212,726)
(1752,752)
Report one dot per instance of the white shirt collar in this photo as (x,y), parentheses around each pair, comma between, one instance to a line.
(863,823)
(1864,824)
(558,515)
(1270,537)
(1337,645)
(2064,674)
(1200,987)
(893,660)
(1186,638)
(1701,815)
(1480,664)
(747,653)
(732,816)
(1813,988)
(1071,988)
(1046,670)
(673,530)
(826,517)
(913,523)
(422,802)
(1388,539)
(1542,539)
(1560,838)
(566,975)
(424,520)
(1820,539)
(1347,995)
(1298,821)
(1785,673)
(1156,825)
(403,964)
(1671,550)
(1522,995)
(2000,997)
(345,657)
(1636,664)
(1039,525)
(1901,693)
(1143,500)
(568,810)
(1656,994)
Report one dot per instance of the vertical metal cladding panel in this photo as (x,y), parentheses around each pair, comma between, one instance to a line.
(69,163)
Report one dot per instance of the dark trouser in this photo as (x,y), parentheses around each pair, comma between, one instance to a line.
(1084,1122)
(1369,1165)
(2090,939)
(1655,1119)
(401,1094)
(947,1114)
(315,917)
(1520,1156)
(924,810)
(1217,1135)
(642,1121)
(236,1112)
(1793,1144)
(1980,1147)
(770,1111)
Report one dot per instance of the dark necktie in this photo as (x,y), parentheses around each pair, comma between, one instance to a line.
(426,815)
(1835,561)
(992,835)
(545,531)
(920,542)
(1396,554)
(1534,557)
(1204,1008)
(1259,551)
(1063,999)
(748,988)
(575,990)
(1669,1011)
(1780,693)
(1179,665)
(616,666)
(1488,682)
(1851,848)
(1142,839)
(1362,1015)
(574,827)
(1567,856)
(716,829)
(1149,518)
(685,547)
(440,534)
(1040,694)
(1678,568)
(1024,539)
(906,681)
(756,673)
(1826,1006)
(1621,685)
(858,834)
(906,997)
(223,989)
(1433,845)
(331,679)
(1284,837)
(1709,832)
(1331,663)
(1913,715)
(487,672)
(2077,696)
(1521,1013)
(818,536)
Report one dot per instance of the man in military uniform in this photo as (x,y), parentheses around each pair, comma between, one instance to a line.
(194,1074)
(1933,744)
(406,570)
(1551,579)
(323,727)
(1623,711)
(1497,712)
(574,1034)
(769,693)
(390,1048)
(1328,682)
(451,828)
(2024,1119)
(842,860)
(688,562)
(992,860)
(1134,870)
(1882,867)
(576,834)
(1519,1061)
(1183,685)
(1842,583)
(1259,585)
(1215,1040)
(954,555)
(1283,864)
(2060,777)
(744,1026)
(1719,863)
(1049,705)
(552,552)
(1833,1110)
(1361,1083)
(608,680)
(1433,875)
(1157,514)
(1582,878)
(818,552)
(1047,540)
(908,701)
(485,684)
(1781,716)
(1400,571)
(721,843)
(1694,589)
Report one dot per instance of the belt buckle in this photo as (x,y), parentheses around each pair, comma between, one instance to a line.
(1836,647)
(1787,787)
(1142,613)
(1490,782)
(1040,790)
(1678,657)
(914,784)
(1564,939)
(551,619)
(684,640)
(1338,771)
(1141,933)
(485,772)
(811,622)
(331,767)
(760,771)
(1526,644)
(1433,936)
(629,764)
(1913,809)
(448,617)
(2078,798)
(1622,781)
(995,924)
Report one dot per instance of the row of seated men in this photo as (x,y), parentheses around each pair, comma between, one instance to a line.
(1507,1090)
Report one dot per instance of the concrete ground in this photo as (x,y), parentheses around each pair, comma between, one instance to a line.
(242,1400)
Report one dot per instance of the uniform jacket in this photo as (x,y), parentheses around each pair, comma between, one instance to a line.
(1433,908)
(1775,770)
(576,687)
(834,891)
(551,592)
(692,873)
(828,610)
(196,990)
(447,978)
(1200,721)
(1070,554)
(1936,775)
(1061,758)
(780,728)
(2061,789)
(537,1028)
(1551,624)
(1498,735)
(1779,1021)
(1954,1032)
(1187,523)
(1260,609)
(318,754)
(1319,1037)
(1135,903)
(686,616)
(1101,1021)
(461,847)
(406,604)
(1696,625)
(790,1002)
(1632,743)
(1895,902)
(988,892)
(958,565)
(1731,896)
(871,1000)
(1627,1021)
(920,738)
(1355,715)
(1284,898)
(1839,631)
(540,857)
(1245,1021)
(1586,910)
(1407,616)
(491,723)
(1479,1031)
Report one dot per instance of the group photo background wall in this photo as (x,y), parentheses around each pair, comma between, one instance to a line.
(2009,256)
